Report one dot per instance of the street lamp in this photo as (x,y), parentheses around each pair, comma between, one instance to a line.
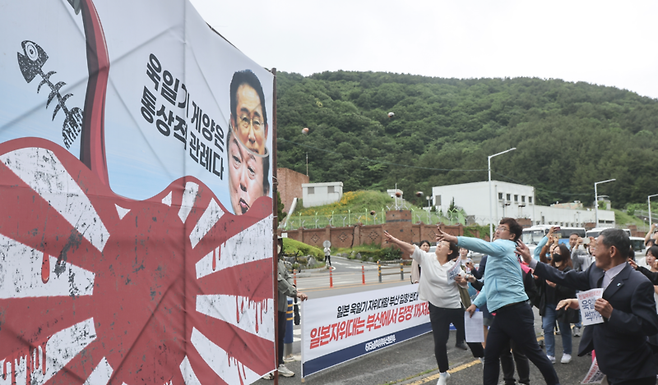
(596,200)
(649,204)
(490,199)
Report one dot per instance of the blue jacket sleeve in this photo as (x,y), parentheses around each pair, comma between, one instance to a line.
(540,245)
(492,249)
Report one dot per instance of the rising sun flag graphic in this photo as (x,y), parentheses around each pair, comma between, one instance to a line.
(123,258)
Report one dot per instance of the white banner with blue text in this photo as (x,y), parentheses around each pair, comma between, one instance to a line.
(340,328)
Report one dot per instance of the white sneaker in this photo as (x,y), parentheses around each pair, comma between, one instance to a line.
(268,376)
(443,378)
(285,372)
(566,358)
(551,358)
(577,332)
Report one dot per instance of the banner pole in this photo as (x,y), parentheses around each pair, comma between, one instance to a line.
(275,235)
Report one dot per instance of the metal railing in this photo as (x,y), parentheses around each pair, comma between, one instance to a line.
(366,217)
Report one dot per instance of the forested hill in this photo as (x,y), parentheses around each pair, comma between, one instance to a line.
(567,135)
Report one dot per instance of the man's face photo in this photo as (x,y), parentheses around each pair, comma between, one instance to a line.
(248,123)
(245,177)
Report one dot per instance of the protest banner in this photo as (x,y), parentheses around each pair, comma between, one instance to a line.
(128,252)
(594,374)
(338,329)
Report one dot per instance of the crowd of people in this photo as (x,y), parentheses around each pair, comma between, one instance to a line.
(510,280)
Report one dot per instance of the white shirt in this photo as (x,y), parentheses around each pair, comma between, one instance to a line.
(434,286)
(611,273)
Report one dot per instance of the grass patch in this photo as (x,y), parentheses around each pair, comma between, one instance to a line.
(292,247)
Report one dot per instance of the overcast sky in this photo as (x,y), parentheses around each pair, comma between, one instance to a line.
(612,43)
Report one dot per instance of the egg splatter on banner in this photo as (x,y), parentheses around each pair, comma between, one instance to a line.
(136,197)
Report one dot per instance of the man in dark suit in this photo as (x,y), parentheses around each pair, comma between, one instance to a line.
(628,309)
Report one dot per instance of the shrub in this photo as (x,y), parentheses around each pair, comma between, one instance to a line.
(388,254)
(293,247)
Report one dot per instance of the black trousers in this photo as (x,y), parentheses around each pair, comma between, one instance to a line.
(441,318)
(282,334)
(507,359)
(637,381)
(515,322)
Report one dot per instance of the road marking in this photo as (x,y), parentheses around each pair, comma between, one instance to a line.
(452,371)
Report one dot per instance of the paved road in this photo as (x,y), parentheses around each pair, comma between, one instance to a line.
(407,363)
(348,272)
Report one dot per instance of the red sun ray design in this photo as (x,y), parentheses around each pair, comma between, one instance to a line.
(132,294)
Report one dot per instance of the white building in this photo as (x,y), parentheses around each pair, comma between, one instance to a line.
(318,194)
(512,200)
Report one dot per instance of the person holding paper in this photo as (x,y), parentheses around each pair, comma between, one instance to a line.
(627,307)
(443,297)
(504,294)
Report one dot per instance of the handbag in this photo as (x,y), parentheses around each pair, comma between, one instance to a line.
(465,297)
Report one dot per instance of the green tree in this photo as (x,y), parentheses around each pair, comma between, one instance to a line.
(279,208)
(567,135)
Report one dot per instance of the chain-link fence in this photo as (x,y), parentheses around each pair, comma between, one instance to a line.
(369,217)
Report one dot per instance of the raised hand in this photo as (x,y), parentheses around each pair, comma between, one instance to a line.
(523,250)
(632,263)
(443,236)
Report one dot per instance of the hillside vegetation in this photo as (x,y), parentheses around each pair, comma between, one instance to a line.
(567,135)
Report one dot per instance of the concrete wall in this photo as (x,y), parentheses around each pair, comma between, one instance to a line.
(290,186)
(321,193)
(398,223)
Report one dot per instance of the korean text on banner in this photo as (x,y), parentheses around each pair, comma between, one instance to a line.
(341,328)
(586,300)
(594,374)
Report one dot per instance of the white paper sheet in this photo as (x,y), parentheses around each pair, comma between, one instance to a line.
(586,300)
(473,327)
(454,270)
